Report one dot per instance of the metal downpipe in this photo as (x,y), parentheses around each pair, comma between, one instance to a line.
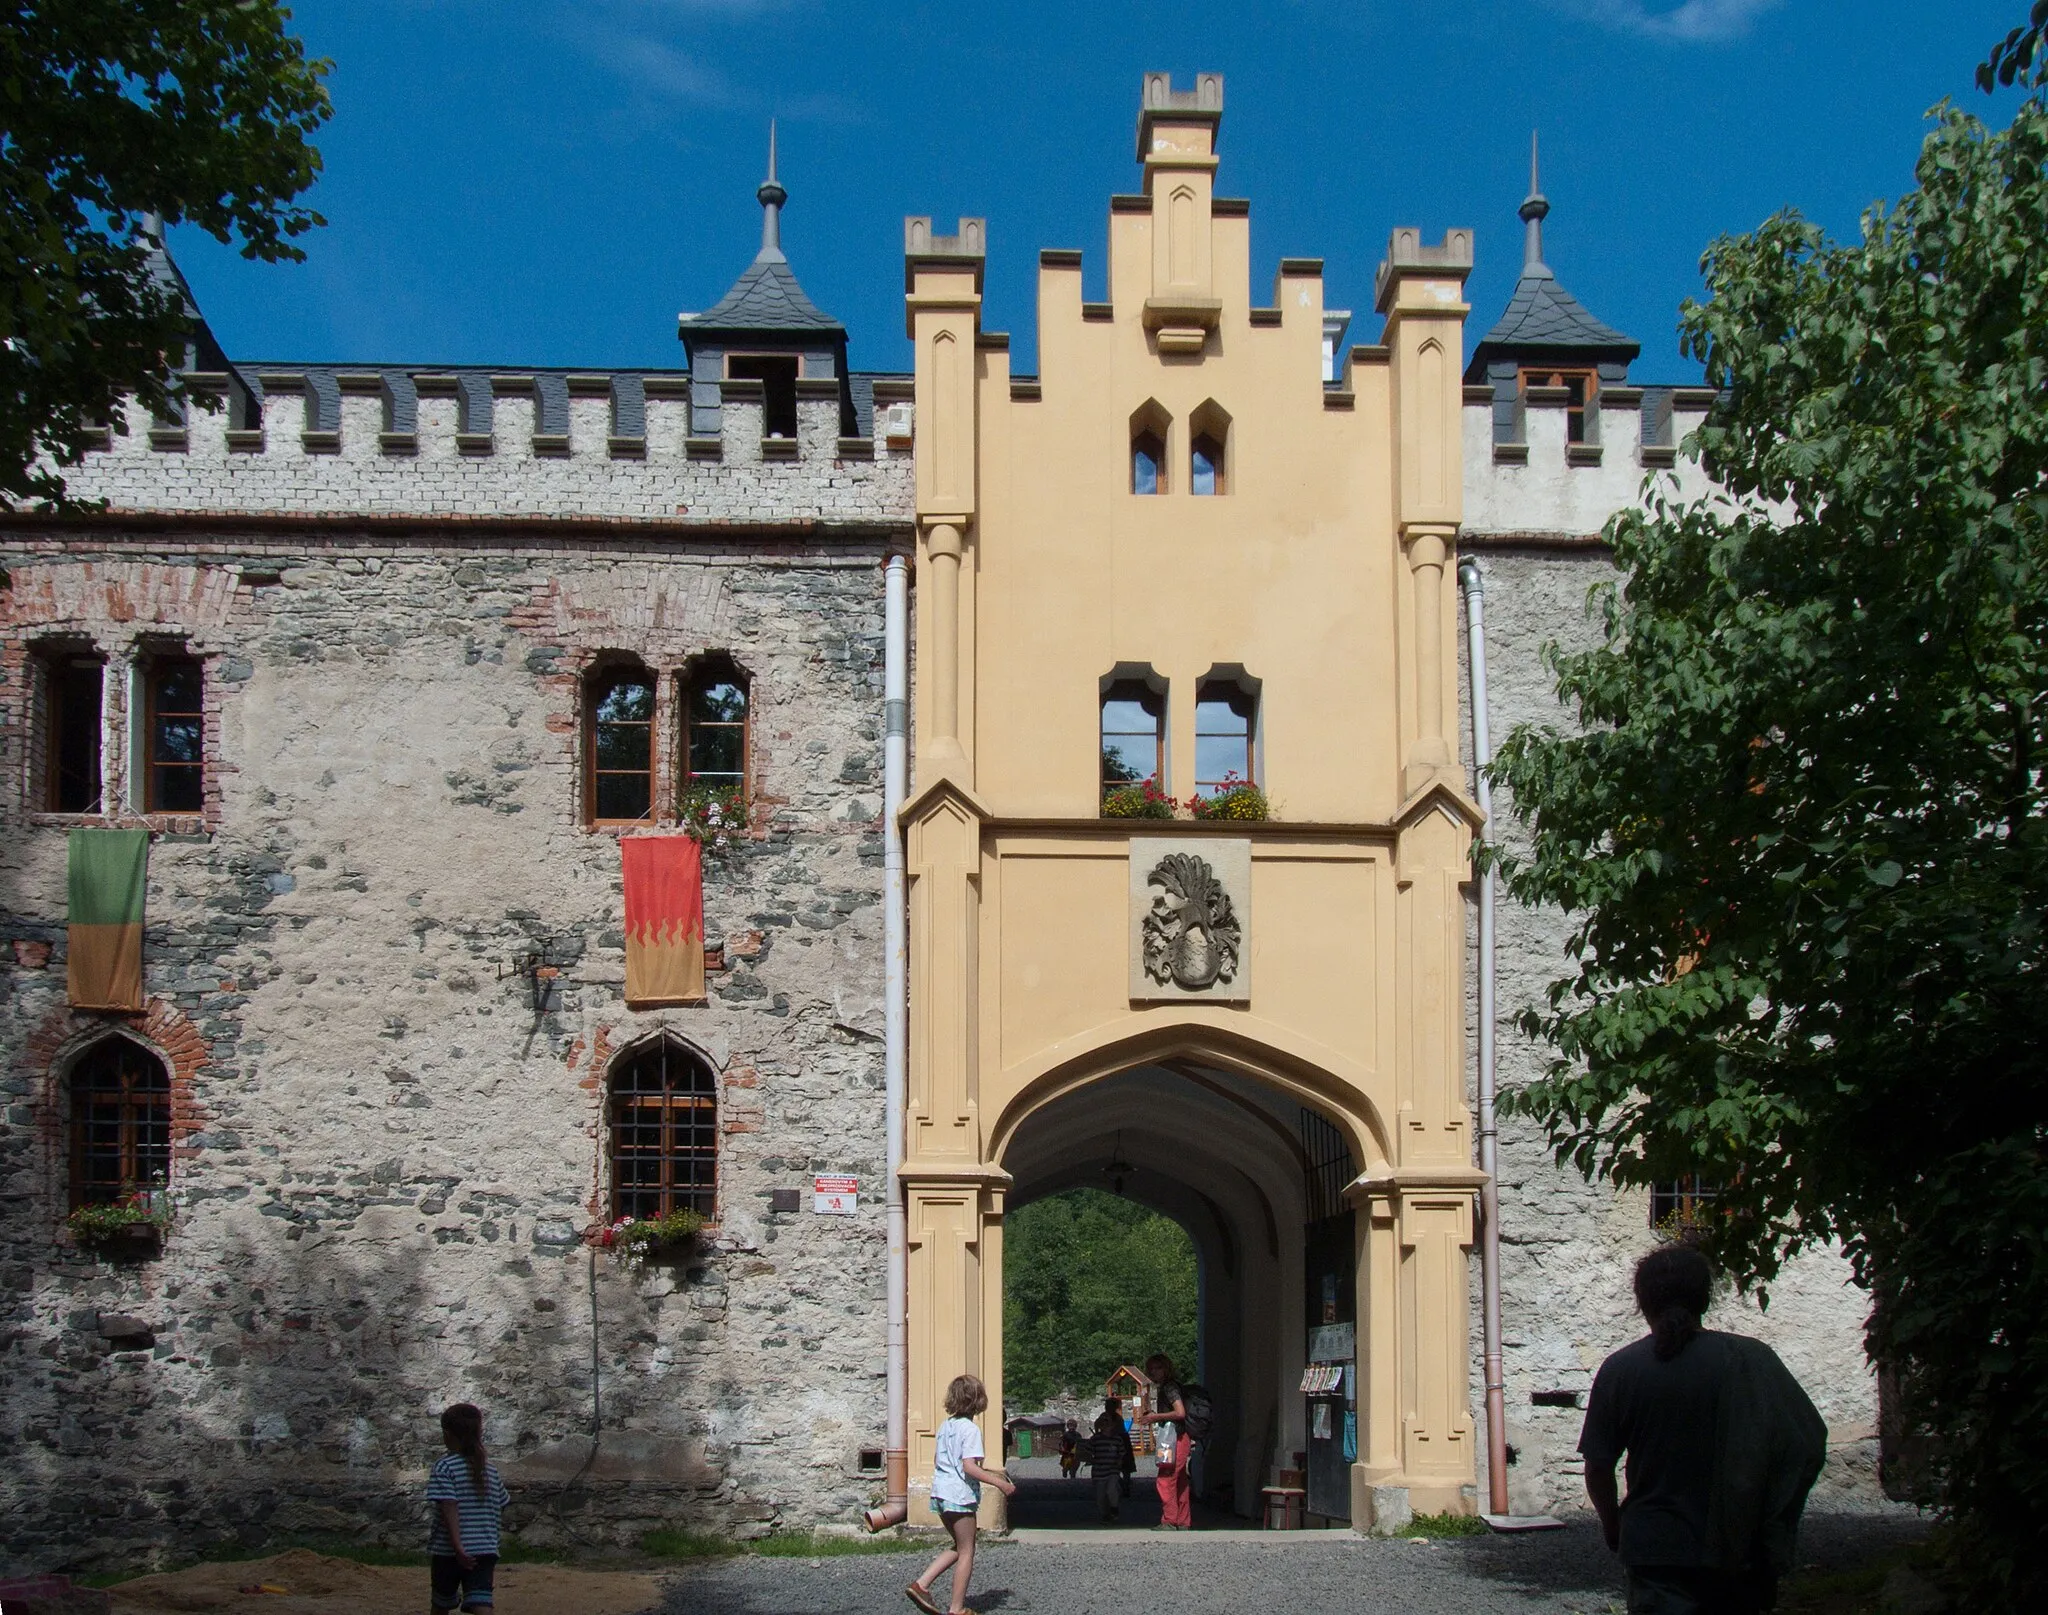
(1489,1138)
(895,1029)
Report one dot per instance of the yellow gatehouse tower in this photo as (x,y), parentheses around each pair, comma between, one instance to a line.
(1195,559)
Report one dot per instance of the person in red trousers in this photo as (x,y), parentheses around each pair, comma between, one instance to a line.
(1168,1419)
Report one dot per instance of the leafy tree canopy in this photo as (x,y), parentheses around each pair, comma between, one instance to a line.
(1091,1282)
(2019,55)
(1801,830)
(111,111)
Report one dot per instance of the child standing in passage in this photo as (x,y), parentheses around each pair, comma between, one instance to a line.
(957,1477)
(468,1500)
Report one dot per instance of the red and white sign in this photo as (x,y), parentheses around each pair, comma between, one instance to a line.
(835,1197)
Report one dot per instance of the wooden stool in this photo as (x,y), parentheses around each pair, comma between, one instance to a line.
(1288,1502)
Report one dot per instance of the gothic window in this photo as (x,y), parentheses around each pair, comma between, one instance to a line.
(70,686)
(619,745)
(1226,727)
(664,1132)
(1133,733)
(173,732)
(120,1122)
(715,727)
(1208,449)
(776,372)
(1583,386)
(1148,449)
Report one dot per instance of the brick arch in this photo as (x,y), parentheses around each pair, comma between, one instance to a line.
(55,1046)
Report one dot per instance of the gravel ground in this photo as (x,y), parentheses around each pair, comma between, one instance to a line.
(1118,1574)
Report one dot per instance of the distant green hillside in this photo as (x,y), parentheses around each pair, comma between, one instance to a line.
(1091,1282)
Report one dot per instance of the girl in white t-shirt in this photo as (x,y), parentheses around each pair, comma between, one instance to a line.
(957,1476)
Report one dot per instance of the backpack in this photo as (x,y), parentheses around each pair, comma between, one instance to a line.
(1201,1417)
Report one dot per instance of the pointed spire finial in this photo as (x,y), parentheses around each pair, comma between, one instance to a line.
(771,196)
(1533,211)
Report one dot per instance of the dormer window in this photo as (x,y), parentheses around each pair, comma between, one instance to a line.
(776,372)
(1583,386)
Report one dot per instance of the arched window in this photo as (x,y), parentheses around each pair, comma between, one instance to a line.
(1133,733)
(664,1132)
(1208,448)
(1148,449)
(1226,729)
(120,1122)
(618,758)
(715,727)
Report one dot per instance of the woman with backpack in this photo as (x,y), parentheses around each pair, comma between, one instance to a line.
(1171,1441)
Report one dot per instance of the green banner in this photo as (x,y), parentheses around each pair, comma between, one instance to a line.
(109,871)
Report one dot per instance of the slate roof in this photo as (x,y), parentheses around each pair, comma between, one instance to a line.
(1542,314)
(765,298)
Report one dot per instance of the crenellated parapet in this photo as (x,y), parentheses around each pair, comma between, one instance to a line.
(478,441)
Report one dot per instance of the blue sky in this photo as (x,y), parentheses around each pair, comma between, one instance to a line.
(551,181)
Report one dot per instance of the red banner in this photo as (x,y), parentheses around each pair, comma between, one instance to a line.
(664,920)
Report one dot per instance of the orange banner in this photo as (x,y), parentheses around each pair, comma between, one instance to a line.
(664,920)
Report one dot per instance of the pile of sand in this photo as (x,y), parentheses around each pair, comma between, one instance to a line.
(317,1585)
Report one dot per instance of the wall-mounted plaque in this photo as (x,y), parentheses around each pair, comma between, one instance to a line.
(1191,919)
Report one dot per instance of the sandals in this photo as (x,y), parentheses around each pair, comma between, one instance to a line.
(923,1599)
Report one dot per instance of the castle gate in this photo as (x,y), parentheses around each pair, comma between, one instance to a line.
(1187,833)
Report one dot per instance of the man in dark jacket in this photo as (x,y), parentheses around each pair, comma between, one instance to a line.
(1722,1447)
(1110,1459)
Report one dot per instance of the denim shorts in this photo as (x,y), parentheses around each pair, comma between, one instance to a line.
(468,1589)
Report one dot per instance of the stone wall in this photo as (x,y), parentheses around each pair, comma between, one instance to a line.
(386,1160)
(1568,1247)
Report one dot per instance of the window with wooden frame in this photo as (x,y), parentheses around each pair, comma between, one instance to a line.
(618,745)
(715,706)
(70,687)
(776,372)
(664,1132)
(1682,1200)
(1149,424)
(1226,733)
(1133,734)
(173,734)
(120,1122)
(1583,386)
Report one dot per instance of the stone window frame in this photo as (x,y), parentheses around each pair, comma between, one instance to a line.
(664,1038)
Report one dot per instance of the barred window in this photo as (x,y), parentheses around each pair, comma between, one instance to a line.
(664,1133)
(120,1122)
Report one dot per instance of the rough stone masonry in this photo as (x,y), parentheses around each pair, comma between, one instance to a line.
(386,1159)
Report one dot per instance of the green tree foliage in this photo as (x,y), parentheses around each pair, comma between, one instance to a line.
(1801,829)
(2019,55)
(1091,1282)
(111,110)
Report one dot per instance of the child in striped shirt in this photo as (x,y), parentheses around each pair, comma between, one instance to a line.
(468,1501)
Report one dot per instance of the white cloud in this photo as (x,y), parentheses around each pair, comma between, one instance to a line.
(1689,21)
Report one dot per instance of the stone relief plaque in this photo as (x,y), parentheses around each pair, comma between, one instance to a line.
(1191,914)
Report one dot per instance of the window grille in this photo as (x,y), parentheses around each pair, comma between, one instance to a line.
(1326,1158)
(664,1133)
(120,1122)
(1682,1200)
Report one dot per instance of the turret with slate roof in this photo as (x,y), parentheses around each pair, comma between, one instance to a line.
(1546,338)
(765,333)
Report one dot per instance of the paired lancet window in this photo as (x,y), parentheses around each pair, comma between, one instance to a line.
(166,754)
(630,723)
(1208,446)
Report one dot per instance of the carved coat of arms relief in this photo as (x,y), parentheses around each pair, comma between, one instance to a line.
(1190,911)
